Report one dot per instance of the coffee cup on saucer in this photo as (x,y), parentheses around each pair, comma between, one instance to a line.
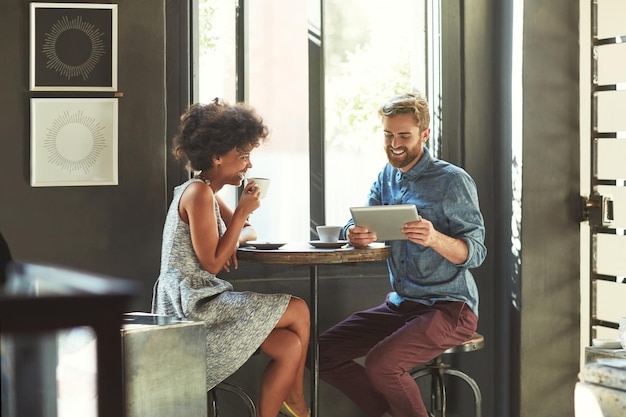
(328,233)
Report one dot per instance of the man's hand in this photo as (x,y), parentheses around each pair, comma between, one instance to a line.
(360,237)
(423,233)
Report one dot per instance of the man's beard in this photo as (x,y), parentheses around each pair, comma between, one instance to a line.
(400,161)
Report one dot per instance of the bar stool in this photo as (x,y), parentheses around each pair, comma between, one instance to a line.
(234,389)
(437,368)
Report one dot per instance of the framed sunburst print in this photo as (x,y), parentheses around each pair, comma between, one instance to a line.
(73,141)
(73,47)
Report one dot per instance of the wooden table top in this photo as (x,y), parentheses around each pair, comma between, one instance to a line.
(302,253)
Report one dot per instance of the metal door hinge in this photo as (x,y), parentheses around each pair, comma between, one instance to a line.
(597,209)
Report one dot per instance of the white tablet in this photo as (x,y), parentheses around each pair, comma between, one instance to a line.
(385,221)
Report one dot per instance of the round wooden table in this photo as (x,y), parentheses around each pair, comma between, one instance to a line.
(302,253)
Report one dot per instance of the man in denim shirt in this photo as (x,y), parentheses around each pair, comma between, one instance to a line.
(434,302)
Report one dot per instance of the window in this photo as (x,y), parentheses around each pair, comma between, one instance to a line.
(215,66)
(372,50)
(215,71)
(277,85)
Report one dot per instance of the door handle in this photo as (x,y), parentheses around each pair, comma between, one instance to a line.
(597,209)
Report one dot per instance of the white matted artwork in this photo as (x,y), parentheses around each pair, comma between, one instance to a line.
(73,141)
(73,47)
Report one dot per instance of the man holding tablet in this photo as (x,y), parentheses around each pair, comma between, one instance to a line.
(434,300)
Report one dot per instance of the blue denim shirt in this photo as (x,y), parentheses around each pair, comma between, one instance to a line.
(445,195)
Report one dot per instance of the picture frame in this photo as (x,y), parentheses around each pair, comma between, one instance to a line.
(73,47)
(74,141)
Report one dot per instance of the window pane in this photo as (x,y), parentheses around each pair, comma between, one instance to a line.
(277,86)
(216,74)
(216,36)
(373,50)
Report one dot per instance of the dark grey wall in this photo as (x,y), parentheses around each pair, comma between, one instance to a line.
(113,230)
(550,296)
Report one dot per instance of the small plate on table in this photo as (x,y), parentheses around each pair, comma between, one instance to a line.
(328,245)
(257,244)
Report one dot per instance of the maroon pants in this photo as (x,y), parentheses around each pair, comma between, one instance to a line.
(393,341)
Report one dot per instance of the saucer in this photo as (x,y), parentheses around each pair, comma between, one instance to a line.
(264,245)
(328,245)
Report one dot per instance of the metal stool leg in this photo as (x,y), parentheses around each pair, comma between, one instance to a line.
(436,370)
(234,389)
(212,403)
(437,390)
(437,385)
(473,385)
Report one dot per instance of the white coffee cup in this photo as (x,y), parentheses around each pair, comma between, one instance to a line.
(328,233)
(263,184)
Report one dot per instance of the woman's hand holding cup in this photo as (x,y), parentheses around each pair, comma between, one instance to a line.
(250,199)
(263,184)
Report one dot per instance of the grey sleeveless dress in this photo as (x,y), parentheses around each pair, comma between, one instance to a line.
(236,322)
